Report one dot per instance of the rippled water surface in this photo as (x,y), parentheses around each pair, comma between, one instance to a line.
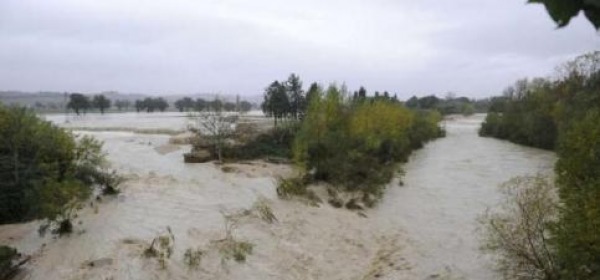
(424,229)
(447,185)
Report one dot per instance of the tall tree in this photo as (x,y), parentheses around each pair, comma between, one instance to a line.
(122,104)
(229,106)
(78,102)
(276,103)
(296,96)
(179,105)
(101,102)
(216,105)
(161,104)
(313,92)
(139,105)
(149,104)
(184,104)
(245,106)
(200,105)
(362,93)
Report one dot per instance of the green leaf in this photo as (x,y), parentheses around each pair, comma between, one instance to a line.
(561,11)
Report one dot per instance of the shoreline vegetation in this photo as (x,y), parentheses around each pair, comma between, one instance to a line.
(560,114)
(47,174)
(353,143)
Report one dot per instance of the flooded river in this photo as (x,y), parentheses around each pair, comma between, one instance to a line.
(448,184)
(425,229)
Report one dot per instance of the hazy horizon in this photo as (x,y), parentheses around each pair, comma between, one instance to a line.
(472,48)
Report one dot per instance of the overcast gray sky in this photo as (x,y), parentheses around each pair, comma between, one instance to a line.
(471,47)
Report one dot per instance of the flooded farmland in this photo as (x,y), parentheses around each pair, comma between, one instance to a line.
(425,229)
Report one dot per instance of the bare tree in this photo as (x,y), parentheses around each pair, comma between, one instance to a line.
(216,127)
(517,232)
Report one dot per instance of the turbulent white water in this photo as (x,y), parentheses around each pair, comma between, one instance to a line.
(424,229)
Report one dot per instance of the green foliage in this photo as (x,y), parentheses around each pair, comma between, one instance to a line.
(109,181)
(184,104)
(230,247)
(355,145)
(79,102)
(214,127)
(297,99)
(151,104)
(579,150)
(449,105)
(122,104)
(562,11)
(245,106)
(236,250)
(276,102)
(517,232)
(101,103)
(262,207)
(425,128)
(7,256)
(161,248)
(527,116)
(563,114)
(274,143)
(290,187)
(192,258)
(283,100)
(46,172)
(578,172)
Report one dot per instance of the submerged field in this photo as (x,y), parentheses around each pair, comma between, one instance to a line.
(423,229)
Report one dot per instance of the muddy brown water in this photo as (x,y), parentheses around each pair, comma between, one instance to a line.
(448,184)
(424,229)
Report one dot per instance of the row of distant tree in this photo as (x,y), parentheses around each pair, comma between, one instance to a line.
(287,100)
(82,103)
(188,104)
(282,100)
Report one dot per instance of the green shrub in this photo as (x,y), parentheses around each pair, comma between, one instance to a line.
(562,114)
(161,248)
(276,142)
(7,256)
(230,247)
(192,257)
(261,206)
(49,172)
(356,146)
(287,188)
(336,202)
(236,250)
(517,233)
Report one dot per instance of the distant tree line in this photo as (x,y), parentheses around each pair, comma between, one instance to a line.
(562,114)
(81,103)
(188,104)
(151,104)
(449,105)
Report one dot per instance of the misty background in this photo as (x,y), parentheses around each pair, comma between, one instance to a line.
(471,47)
